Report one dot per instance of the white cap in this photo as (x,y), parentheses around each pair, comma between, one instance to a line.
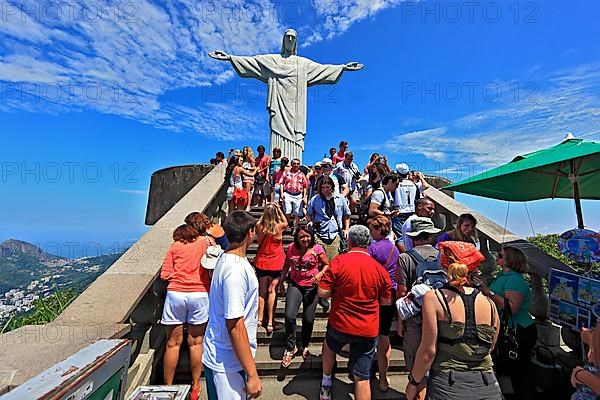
(318,164)
(402,168)
(326,161)
(209,259)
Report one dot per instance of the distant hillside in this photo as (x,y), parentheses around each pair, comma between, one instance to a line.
(11,248)
(22,262)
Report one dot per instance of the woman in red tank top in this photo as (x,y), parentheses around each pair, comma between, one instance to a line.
(269,260)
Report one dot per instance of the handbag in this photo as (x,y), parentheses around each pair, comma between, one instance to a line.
(240,197)
(507,347)
(343,247)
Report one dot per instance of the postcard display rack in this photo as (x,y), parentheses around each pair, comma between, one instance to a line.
(574,300)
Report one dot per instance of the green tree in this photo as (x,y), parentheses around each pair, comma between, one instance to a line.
(44,310)
(549,244)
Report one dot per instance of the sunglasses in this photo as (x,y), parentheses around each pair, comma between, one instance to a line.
(499,255)
(318,168)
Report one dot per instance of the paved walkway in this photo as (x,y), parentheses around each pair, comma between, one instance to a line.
(305,386)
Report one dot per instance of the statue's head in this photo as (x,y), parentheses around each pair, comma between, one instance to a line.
(289,45)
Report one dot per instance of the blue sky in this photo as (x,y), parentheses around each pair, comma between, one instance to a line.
(96,96)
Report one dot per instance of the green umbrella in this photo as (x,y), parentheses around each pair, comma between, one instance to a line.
(569,170)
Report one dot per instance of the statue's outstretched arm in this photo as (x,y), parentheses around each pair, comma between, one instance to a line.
(219,55)
(353,66)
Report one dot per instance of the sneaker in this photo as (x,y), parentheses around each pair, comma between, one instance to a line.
(325,393)
(324,303)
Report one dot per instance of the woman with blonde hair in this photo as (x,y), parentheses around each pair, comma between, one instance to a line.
(460,329)
(249,163)
(510,289)
(463,232)
(269,260)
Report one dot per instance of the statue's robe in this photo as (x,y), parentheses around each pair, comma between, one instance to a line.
(288,78)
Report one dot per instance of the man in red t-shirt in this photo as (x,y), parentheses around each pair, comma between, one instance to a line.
(358,285)
(262,187)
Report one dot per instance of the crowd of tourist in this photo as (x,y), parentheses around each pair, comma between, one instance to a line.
(393,264)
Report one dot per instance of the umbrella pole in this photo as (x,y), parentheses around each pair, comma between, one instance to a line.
(576,196)
(578,206)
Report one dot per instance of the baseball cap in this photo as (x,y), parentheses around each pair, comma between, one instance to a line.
(326,161)
(402,168)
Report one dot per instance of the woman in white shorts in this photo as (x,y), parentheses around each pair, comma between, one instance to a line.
(186,302)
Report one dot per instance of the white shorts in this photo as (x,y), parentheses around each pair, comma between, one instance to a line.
(277,192)
(292,204)
(185,308)
(225,385)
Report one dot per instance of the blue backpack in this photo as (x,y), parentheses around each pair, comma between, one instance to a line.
(428,271)
(427,275)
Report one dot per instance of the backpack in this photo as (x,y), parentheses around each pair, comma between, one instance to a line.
(362,209)
(427,275)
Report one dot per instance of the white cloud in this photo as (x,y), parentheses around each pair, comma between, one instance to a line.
(134,192)
(338,16)
(568,102)
(122,58)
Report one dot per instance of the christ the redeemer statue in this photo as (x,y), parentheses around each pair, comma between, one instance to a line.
(287,77)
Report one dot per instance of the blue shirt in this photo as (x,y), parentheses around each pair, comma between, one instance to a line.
(329,227)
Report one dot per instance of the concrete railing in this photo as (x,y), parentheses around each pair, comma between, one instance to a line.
(118,300)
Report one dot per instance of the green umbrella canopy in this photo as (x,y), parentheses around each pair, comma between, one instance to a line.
(548,173)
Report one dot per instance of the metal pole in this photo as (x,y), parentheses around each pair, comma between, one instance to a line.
(576,196)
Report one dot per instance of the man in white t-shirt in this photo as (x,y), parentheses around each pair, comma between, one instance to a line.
(230,339)
(382,201)
(404,198)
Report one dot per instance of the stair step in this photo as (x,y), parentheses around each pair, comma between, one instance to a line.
(318,335)
(280,311)
(268,360)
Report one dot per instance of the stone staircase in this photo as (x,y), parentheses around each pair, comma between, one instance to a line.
(271,347)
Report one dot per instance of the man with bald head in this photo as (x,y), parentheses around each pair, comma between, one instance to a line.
(424,207)
(358,286)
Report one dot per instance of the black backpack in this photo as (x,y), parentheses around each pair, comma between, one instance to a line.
(362,209)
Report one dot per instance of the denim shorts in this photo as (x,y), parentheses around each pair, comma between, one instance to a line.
(362,350)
